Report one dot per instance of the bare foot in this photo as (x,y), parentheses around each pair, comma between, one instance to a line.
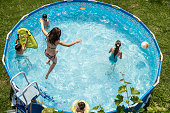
(46,77)
(48,62)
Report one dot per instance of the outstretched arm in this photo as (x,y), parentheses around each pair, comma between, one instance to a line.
(111,49)
(42,28)
(69,44)
(17,39)
(26,37)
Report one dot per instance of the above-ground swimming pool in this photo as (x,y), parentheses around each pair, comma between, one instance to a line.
(83,71)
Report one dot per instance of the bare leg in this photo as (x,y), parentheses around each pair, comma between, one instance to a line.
(50,69)
(56,51)
(48,62)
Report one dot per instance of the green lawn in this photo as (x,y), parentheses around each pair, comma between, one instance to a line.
(155,14)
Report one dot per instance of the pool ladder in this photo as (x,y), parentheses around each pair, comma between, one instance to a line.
(26,94)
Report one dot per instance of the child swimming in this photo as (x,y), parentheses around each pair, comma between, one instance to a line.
(18,47)
(115,52)
(53,39)
(45,21)
(80,108)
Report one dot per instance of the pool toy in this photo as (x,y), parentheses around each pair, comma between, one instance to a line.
(74,104)
(31,43)
(82,8)
(145,45)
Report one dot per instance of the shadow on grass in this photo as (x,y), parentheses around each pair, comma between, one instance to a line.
(147,104)
(156,1)
(11,96)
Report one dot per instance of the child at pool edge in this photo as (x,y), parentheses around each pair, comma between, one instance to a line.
(80,108)
(116,52)
(45,21)
(18,47)
(53,39)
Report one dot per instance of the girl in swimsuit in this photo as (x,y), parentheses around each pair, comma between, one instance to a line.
(115,52)
(53,39)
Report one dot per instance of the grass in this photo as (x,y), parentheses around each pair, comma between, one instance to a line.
(153,13)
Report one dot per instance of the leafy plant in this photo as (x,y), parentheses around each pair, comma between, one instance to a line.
(132,97)
(99,109)
(50,110)
(119,99)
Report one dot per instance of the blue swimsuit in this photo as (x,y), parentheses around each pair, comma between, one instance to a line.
(112,59)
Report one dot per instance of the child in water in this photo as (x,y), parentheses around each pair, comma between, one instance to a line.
(80,108)
(53,39)
(18,47)
(115,52)
(45,21)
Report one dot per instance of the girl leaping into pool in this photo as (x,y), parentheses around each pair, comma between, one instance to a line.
(115,52)
(53,39)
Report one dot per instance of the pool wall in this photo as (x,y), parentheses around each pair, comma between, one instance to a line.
(123,13)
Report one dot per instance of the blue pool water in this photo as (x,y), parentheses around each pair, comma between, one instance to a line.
(84,71)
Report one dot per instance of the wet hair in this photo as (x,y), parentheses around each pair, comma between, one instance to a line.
(81,105)
(44,16)
(54,35)
(117,45)
(18,47)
